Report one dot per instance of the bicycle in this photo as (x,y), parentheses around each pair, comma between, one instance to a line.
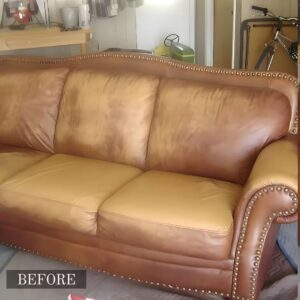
(279,39)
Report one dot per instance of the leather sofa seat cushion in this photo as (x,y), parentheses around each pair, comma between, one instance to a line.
(106,115)
(206,129)
(29,103)
(15,159)
(172,213)
(64,192)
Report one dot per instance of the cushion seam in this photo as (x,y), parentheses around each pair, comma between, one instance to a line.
(120,187)
(60,202)
(43,198)
(27,167)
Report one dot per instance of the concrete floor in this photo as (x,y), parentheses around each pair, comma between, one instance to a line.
(99,286)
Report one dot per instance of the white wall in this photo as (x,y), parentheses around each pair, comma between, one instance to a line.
(158,18)
(117,32)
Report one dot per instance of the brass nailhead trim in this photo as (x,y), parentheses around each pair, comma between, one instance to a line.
(263,235)
(189,67)
(177,288)
(158,59)
(295,124)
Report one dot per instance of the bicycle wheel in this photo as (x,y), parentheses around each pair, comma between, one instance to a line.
(265,58)
(293,52)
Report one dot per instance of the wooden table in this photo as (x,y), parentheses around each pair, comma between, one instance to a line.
(40,37)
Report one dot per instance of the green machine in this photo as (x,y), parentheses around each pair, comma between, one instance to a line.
(182,52)
(179,51)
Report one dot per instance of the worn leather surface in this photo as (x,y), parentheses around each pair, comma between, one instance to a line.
(21,222)
(128,266)
(205,129)
(277,163)
(106,115)
(64,191)
(29,104)
(164,68)
(168,211)
(207,113)
(15,159)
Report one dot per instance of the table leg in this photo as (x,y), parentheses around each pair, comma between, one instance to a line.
(83,49)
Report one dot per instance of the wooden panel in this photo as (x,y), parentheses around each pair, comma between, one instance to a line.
(223,33)
(38,37)
(200,32)
(278,7)
(259,36)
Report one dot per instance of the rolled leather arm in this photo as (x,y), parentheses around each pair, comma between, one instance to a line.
(276,165)
(269,197)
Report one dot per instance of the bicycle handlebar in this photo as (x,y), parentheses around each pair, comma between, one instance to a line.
(269,13)
(262,9)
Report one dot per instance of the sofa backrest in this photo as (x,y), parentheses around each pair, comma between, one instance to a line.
(214,130)
(107,115)
(155,113)
(29,102)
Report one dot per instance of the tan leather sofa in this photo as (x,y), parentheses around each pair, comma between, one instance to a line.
(168,174)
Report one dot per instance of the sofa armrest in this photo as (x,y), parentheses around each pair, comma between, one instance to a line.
(276,165)
(269,197)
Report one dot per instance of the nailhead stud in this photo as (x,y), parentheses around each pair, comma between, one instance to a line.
(253,278)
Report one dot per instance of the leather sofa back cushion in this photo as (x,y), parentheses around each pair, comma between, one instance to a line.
(29,102)
(214,131)
(106,115)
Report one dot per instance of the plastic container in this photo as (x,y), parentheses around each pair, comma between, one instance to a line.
(70,16)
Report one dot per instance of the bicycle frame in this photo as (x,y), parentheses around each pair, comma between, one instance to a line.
(281,40)
(271,58)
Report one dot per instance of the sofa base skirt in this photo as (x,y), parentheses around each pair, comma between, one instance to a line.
(175,277)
